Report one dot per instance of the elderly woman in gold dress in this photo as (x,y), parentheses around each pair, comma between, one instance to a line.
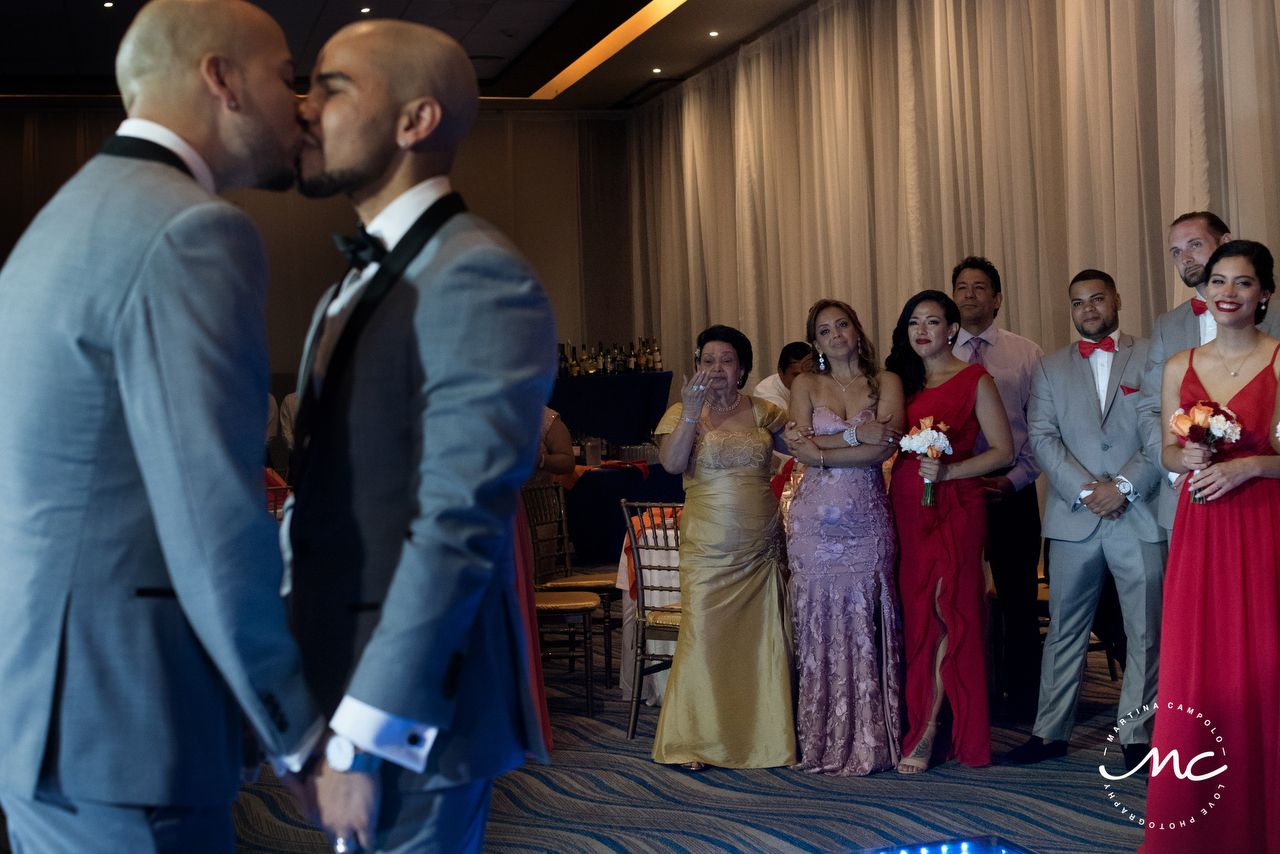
(728,701)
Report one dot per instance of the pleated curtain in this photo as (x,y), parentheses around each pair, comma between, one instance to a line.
(859,150)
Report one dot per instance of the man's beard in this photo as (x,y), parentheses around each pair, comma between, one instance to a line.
(270,160)
(1194,277)
(328,184)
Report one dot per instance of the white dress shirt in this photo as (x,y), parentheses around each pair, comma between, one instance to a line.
(368,727)
(388,226)
(161,135)
(1208,327)
(772,389)
(1100,362)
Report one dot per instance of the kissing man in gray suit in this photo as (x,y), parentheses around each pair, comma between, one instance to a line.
(1099,515)
(421,393)
(1193,237)
(140,573)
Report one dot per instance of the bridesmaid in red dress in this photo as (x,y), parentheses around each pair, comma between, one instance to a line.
(940,574)
(1219,662)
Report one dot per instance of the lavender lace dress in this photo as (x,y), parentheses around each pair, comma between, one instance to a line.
(846,617)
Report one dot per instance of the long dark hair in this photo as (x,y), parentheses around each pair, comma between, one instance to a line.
(903,360)
(866,350)
(1263,267)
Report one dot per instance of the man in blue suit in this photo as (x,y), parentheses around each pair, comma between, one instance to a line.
(140,574)
(421,393)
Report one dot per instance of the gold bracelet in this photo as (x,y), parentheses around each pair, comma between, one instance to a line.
(822,459)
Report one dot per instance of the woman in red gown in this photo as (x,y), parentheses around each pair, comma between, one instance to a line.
(1219,691)
(940,574)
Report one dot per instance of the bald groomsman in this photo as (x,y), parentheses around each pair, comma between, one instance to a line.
(420,410)
(1193,237)
(1099,517)
(140,575)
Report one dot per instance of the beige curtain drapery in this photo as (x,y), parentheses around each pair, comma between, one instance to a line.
(862,148)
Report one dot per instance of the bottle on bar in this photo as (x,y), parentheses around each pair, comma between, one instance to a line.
(574,367)
(564,363)
(631,359)
(657,355)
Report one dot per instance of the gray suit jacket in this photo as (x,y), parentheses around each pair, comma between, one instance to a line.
(401,531)
(1175,330)
(1076,441)
(140,573)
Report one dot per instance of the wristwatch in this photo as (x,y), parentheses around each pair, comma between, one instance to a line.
(1123,486)
(343,756)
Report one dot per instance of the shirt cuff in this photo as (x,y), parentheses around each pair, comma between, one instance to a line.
(293,762)
(395,739)
(1173,476)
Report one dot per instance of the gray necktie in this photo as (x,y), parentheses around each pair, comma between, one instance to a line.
(975,358)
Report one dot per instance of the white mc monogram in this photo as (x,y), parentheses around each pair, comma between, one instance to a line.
(1157,764)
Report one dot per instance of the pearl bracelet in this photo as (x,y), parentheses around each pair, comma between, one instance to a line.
(687,418)
(851,436)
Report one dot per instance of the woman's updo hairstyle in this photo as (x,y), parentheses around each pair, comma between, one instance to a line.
(735,339)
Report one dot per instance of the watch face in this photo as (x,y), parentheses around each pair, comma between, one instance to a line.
(340,753)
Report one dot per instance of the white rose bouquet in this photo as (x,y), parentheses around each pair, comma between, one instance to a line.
(927,440)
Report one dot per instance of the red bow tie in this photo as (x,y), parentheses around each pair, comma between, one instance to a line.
(1107,345)
(1198,306)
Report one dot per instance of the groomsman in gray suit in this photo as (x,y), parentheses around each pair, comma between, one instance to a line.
(421,397)
(1099,515)
(1193,237)
(139,574)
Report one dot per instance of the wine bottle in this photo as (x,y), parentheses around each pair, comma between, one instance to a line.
(657,355)
(564,363)
(631,359)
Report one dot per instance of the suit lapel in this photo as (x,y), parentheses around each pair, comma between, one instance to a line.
(1124,349)
(1082,377)
(1190,328)
(389,272)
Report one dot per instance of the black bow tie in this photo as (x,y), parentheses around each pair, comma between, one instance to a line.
(361,250)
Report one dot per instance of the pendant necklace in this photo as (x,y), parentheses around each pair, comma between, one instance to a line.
(843,386)
(1218,350)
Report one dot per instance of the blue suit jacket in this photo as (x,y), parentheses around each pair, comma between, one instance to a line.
(403,577)
(139,577)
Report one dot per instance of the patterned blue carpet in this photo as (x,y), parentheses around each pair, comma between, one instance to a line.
(605,794)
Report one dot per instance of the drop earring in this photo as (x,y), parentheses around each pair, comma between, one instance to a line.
(822,362)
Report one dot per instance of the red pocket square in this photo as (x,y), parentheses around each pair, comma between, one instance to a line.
(1127,389)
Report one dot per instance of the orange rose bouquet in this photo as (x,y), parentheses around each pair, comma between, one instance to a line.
(1206,424)
(927,440)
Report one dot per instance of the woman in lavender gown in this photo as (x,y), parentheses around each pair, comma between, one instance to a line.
(841,545)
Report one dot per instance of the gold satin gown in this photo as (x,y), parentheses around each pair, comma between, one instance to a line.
(728,700)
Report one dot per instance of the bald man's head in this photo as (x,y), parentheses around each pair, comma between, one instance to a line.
(418,61)
(388,104)
(161,52)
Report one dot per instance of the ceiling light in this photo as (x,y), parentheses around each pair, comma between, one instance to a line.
(714,33)
(107,5)
(657,71)
(365,10)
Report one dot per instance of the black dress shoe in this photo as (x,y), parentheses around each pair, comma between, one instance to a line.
(1035,750)
(1134,754)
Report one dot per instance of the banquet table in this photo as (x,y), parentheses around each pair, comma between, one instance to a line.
(596,526)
